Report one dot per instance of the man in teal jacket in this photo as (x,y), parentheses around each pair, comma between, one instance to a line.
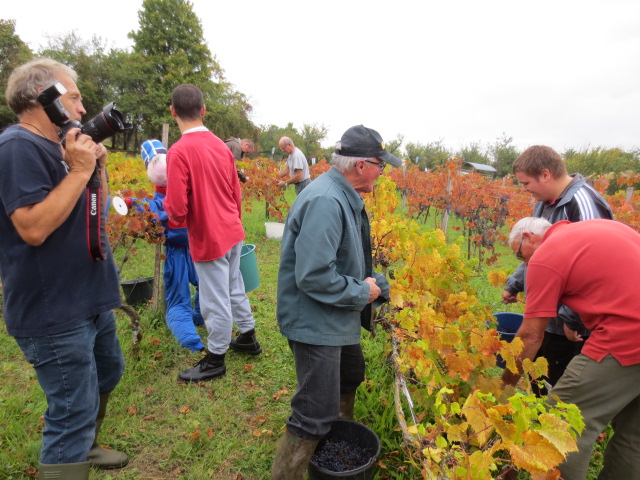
(326,290)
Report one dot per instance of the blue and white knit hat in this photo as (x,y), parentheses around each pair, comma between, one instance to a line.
(151,148)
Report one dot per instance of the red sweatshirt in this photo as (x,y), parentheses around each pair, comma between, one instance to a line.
(203,189)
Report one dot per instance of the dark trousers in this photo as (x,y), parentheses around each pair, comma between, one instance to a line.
(323,374)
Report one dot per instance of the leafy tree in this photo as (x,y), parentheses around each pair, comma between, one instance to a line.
(312,135)
(504,154)
(473,153)
(87,59)
(271,134)
(13,52)
(600,161)
(99,79)
(429,156)
(395,145)
(171,50)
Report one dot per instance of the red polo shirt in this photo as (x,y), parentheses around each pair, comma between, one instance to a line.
(593,267)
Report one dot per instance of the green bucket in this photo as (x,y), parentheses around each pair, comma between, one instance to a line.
(249,268)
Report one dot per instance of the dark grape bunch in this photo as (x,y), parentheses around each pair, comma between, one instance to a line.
(341,456)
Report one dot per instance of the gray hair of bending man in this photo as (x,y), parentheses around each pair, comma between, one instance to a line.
(534,225)
(344,164)
(25,80)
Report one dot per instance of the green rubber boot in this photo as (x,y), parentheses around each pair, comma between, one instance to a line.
(103,457)
(292,457)
(64,471)
(347,403)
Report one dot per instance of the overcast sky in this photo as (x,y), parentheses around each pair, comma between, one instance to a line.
(564,73)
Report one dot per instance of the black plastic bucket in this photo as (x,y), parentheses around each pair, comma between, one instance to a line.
(138,291)
(354,433)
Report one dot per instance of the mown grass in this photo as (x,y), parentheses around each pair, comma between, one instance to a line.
(225,429)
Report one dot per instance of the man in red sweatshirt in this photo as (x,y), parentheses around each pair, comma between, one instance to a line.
(203,189)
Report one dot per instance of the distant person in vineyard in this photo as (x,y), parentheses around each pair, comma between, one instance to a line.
(593,267)
(559,196)
(203,189)
(58,301)
(296,170)
(239,148)
(326,291)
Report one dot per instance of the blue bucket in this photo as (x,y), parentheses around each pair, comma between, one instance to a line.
(508,325)
(249,268)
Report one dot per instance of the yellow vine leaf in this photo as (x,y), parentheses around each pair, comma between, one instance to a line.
(450,336)
(487,344)
(396,299)
(434,454)
(457,433)
(510,352)
(537,455)
(491,385)
(458,363)
(476,414)
(536,369)
(555,431)
(506,429)
(481,465)
(497,278)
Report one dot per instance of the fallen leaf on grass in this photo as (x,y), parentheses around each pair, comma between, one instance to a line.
(210,432)
(248,367)
(259,420)
(32,472)
(194,436)
(279,394)
(148,391)
(185,409)
(133,410)
(149,417)
(159,356)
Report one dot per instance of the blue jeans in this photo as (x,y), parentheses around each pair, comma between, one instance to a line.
(323,374)
(74,368)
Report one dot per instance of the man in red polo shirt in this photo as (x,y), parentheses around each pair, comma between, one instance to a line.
(593,267)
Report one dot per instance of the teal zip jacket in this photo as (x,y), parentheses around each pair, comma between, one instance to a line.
(321,288)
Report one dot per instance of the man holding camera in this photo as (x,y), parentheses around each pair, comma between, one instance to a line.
(58,301)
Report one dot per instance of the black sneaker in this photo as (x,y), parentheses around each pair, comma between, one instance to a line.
(211,366)
(246,343)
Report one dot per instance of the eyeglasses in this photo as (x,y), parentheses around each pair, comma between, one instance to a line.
(380,165)
(284,149)
(519,253)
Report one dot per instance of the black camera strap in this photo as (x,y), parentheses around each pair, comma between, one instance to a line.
(94,217)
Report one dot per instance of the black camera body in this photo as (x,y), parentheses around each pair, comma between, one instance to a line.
(104,125)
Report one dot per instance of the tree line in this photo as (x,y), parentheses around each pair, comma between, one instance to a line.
(169,49)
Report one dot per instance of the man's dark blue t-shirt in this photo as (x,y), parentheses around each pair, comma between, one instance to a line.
(51,288)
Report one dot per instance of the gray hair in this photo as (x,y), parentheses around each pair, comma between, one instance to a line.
(286,141)
(25,80)
(343,163)
(534,225)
